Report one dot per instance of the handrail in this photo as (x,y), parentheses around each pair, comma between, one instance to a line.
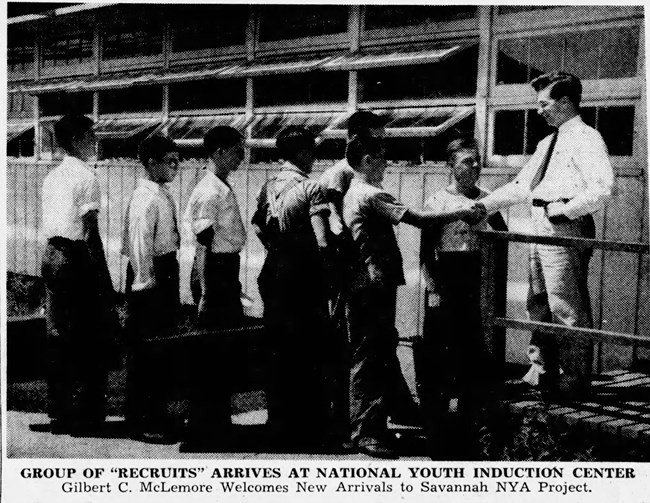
(582,243)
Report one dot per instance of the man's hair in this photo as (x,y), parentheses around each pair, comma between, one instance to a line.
(362,122)
(221,137)
(155,147)
(71,127)
(561,84)
(458,144)
(293,140)
(360,145)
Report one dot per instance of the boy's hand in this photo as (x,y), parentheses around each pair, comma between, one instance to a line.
(477,213)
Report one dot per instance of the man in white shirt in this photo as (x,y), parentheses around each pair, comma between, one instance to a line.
(568,178)
(151,241)
(213,215)
(79,292)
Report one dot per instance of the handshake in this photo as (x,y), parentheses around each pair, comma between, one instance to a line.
(473,213)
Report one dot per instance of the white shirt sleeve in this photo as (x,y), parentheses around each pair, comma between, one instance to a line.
(518,190)
(141,234)
(88,195)
(204,213)
(592,160)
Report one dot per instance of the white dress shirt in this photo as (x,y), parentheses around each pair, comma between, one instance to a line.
(213,204)
(150,230)
(69,192)
(579,170)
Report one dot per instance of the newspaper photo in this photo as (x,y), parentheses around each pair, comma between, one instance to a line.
(371,251)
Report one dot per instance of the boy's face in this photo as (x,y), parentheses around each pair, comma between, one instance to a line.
(231,158)
(377,165)
(165,170)
(84,146)
(466,168)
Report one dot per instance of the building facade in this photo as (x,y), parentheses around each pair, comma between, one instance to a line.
(435,71)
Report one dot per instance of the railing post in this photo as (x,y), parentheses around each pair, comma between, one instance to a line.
(494,272)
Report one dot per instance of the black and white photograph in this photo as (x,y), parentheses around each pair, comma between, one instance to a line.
(352,233)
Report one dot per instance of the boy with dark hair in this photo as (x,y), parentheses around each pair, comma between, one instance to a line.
(150,241)
(214,218)
(369,212)
(79,291)
(291,222)
(456,369)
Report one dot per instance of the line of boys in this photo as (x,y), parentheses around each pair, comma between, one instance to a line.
(305,378)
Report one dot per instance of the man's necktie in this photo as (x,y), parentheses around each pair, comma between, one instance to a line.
(539,176)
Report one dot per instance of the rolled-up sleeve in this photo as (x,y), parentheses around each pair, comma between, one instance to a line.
(387,206)
(204,211)
(318,203)
(88,195)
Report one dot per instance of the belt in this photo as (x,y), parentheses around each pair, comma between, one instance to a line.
(540,203)
(61,241)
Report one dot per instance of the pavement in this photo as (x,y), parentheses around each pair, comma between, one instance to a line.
(24,443)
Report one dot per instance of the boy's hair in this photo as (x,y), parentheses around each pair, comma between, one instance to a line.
(71,127)
(293,140)
(455,146)
(155,147)
(561,84)
(362,122)
(221,137)
(360,145)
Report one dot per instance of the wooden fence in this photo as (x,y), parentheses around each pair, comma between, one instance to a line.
(619,285)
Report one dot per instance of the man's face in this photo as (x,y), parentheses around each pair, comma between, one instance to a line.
(86,145)
(377,165)
(164,171)
(553,111)
(466,168)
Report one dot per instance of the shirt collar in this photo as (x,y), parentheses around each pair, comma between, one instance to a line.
(214,179)
(572,123)
(76,162)
(287,166)
(150,185)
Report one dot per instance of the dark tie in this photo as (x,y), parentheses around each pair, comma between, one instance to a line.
(539,176)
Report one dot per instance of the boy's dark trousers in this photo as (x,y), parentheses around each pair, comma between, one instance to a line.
(212,358)
(152,315)
(373,340)
(77,341)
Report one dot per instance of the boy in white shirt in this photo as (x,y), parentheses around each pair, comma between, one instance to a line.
(151,241)
(213,215)
(79,292)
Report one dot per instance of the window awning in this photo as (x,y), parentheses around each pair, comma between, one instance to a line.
(121,129)
(380,60)
(269,125)
(192,129)
(242,70)
(415,122)
(15,129)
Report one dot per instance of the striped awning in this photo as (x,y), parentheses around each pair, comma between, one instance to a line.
(15,129)
(192,129)
(268,125)
(347,61)
(121,129)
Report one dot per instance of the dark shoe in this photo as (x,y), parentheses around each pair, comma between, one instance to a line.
(55,426)
(88,430)
(375,448)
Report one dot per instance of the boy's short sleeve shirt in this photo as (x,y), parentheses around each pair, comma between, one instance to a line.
(213,203)
(370,214)
(150,230)
(337,178)
(69,192)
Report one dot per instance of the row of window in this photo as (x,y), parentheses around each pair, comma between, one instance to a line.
(516,132)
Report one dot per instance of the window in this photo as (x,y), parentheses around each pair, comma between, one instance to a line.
(593,54)
(133,32)
(20,51)
(131,99)
(197,27)
(312,87)
(382,17)
(19,104)
(517,132)
(64,103)
(21,145)
(452,77)
(281,22)
(207,94)
(268,126)
(73,48)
